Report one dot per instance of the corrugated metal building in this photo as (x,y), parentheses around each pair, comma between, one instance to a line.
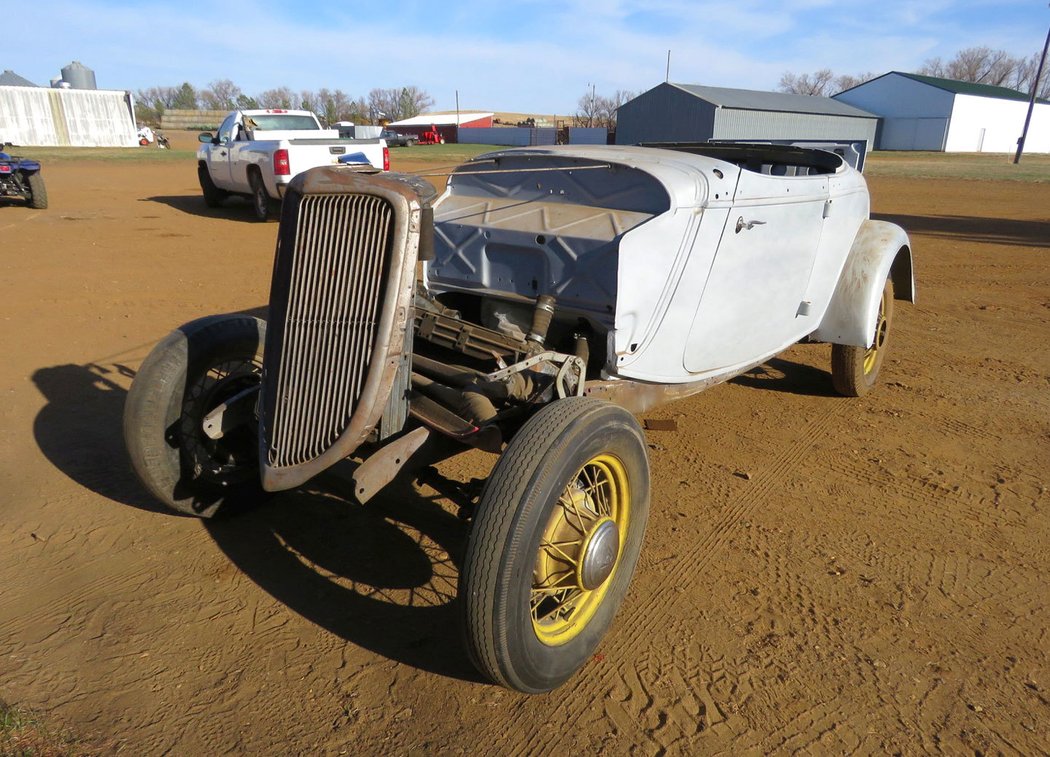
(928,113)
(693,113)
(36,116)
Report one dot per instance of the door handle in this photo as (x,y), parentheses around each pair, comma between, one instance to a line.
(741,224)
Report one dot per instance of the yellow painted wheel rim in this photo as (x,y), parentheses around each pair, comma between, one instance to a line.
(560,605)
(871,357)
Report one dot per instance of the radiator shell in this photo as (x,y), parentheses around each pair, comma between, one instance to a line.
(340,304)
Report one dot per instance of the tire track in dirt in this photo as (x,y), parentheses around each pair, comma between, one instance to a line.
(629,686)
(91,578)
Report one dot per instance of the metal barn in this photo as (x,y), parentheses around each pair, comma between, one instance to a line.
(944,115)
(694,113)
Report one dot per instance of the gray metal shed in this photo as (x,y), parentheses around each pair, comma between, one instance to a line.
(693,113)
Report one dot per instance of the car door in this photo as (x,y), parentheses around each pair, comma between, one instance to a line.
(220,155)
(752,303)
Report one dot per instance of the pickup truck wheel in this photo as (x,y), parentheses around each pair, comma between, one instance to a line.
(189,373)
(554,544)
(260,197)
(854,370)
(213,196)
(37,191)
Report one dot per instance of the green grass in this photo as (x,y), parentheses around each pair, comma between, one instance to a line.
(47,155)
(24,735)
(453,154)
(974,166)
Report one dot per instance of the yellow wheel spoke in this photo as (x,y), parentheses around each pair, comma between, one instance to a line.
(559,554)
(563,608)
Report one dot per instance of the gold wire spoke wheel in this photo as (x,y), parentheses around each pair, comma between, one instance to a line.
(554,543)
(580,549)
(871,355)
(854,370)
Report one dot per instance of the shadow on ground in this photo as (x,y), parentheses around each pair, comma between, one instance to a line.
(232,209)
(381,576)
(780,375)
(973,229)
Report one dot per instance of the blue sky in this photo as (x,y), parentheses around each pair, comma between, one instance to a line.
(528,56)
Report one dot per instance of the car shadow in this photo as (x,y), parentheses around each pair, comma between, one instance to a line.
(80,430)
(381,576)
(780,375)
(1008,231)
(232,208)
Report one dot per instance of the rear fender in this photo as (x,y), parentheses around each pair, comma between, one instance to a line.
(880,250)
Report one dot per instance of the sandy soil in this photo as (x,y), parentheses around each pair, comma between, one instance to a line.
(821,574)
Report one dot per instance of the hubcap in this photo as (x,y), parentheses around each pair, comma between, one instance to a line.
(580,550)
(599,554)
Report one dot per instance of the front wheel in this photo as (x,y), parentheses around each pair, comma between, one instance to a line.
(854,370)
(213,196)
(555,541)
(37,191)
(188,374)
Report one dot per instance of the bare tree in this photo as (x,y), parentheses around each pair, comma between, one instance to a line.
(220,95)
(610,105)
(397,103)
(282,97)
(818,84)
(849,81)
(978,65)
(588,110)
(1023,77)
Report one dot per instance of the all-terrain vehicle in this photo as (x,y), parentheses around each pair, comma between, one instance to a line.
(562,291)
(20,178)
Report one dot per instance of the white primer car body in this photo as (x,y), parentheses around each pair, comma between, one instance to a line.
(696,262)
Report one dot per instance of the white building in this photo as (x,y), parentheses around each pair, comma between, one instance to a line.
(943,115)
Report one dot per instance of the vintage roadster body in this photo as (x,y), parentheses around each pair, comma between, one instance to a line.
(560,291)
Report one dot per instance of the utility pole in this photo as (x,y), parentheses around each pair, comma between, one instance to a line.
(1031,100)
(667,76)
(457,116)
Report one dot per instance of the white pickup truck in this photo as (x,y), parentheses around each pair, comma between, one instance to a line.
(256,153)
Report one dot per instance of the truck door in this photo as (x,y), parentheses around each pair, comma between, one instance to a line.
(752,304)
(220,157)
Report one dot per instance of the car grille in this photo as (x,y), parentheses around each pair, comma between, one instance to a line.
(335,279)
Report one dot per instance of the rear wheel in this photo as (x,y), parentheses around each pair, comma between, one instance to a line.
(213,196)
(37,191)
(188,374)
(555,541)
(260,197)
(854,370)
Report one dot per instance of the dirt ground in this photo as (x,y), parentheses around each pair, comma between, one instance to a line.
(820,574)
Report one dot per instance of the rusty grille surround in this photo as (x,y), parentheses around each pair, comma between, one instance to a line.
(340,302)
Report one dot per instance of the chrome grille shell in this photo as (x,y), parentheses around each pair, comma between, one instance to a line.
(340,303)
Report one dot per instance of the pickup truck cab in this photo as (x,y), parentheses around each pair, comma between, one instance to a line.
(256,153)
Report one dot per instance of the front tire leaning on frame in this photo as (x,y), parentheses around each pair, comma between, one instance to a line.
(189,373)
(554,543)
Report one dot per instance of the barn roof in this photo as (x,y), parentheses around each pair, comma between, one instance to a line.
(440,119)
(748,99)
(960,87)
(10,79)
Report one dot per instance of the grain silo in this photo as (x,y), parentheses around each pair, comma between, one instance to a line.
(79,76)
